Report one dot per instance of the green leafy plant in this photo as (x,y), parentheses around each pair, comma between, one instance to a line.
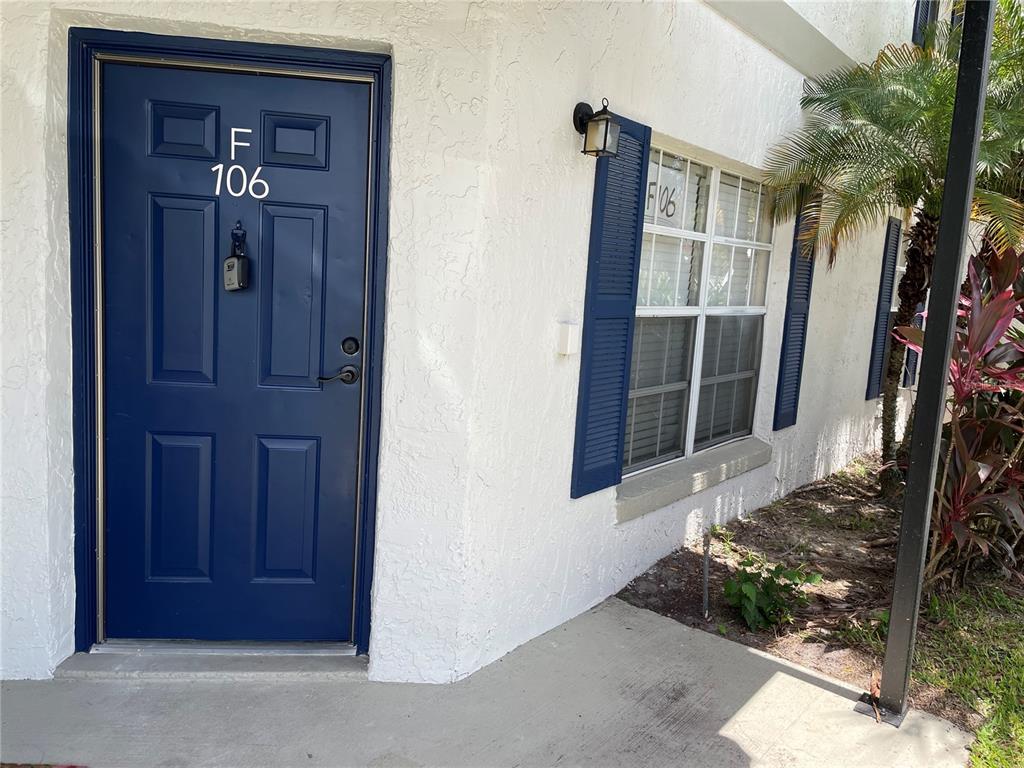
(881,620)
(723,534)
(978,510)
(767,594)
(874,142)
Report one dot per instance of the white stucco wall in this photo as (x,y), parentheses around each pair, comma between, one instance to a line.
(860,28)
(479,547)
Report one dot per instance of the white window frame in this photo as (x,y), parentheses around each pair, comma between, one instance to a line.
(899,272)
(702,311)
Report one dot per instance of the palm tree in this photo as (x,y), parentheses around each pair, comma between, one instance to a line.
(874,142)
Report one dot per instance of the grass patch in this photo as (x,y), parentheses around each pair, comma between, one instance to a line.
(974,648)
(868,634)
(970,644)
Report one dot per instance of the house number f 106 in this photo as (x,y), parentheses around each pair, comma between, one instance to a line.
(236,187)
(236,178)
(666,198)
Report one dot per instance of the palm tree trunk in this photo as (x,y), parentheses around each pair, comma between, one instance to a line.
(913,289)
(903,450)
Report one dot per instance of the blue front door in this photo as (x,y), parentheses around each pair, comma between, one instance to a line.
(230,468)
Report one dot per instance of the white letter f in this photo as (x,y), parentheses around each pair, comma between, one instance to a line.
(235,142)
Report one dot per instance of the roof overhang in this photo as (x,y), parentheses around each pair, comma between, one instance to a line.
(781,29)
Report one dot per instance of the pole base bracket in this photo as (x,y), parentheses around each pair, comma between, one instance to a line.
(864,707)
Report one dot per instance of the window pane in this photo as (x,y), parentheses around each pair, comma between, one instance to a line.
(673,416)
(671,191)
(732,344)
(739,281)
(738,276)
(652,186)
(759,280)
(654,429)
(764,221)
(748,203)
(643,290)
(669,272)
(688,291)
(677,192)
(659,391)
(718,276)
(641,430)
(702,432)
(698,190)
(727,205)
(721,420)
(732,351)
(662,351)
(742,210)
(664,271)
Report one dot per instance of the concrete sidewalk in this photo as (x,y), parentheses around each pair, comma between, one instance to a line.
(615,686)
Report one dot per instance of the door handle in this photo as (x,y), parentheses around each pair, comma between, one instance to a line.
(349,374)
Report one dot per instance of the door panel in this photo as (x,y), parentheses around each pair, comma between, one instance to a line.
(180,501)
(291,295)
(182,270)
(184,130)
(286,508)
(230,469)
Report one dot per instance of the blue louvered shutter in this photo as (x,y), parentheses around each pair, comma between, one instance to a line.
(880,335)
(925,13)
(794,335)
(616,228)
(910,364)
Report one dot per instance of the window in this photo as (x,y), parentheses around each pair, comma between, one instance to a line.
(910,358)
(700,311)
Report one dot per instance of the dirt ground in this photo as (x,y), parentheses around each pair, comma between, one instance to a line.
(840,527)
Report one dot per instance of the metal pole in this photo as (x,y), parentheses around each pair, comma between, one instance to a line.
(707,574)
(931,392)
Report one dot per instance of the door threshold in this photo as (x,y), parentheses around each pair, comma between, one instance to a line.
(215,667)
(221,648)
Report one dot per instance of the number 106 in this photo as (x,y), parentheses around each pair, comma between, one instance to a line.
(238,182)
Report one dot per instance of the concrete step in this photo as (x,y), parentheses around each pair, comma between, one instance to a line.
(145,665)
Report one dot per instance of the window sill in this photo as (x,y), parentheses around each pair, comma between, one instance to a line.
(657,488)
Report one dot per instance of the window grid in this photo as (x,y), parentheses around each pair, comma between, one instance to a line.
(700,312)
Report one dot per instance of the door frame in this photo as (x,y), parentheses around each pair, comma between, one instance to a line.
(86,48)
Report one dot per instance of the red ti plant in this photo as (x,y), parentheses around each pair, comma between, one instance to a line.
(978,512)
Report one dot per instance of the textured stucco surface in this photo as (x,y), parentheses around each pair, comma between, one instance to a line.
(860,27)
(36,569)
(479,547)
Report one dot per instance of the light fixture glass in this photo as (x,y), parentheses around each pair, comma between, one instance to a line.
(600,130)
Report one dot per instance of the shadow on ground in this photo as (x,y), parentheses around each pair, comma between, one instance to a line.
(615,686)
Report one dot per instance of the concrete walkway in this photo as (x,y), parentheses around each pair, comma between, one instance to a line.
(615,686)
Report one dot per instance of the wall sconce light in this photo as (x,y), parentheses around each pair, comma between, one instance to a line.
(599,130)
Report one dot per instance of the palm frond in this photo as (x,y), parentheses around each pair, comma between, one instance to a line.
(1003,217)
(875,138)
